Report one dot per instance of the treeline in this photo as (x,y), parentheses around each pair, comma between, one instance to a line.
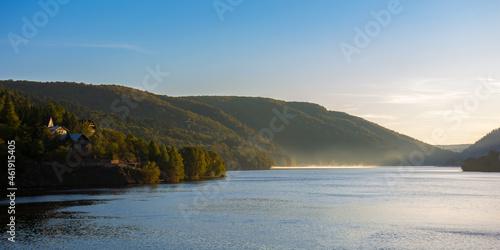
(174,165)
(36,144)
(22,122)
(489,163)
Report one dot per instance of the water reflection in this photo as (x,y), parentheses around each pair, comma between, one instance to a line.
(36,221)
(283,209)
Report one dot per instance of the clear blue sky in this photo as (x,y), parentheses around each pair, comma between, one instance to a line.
(425,62)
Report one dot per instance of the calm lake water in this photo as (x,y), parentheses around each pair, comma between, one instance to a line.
(387,207)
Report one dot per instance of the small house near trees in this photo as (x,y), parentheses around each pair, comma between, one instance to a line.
(79,141)
(60,130)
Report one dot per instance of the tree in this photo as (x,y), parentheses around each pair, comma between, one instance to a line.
(112,150)
(216,165)
(35,122)
(194,160)
(163,159)
(70,122)
(154,151)
(2,100)
(489,163)
(56,112)
(175,166)
(36,149)
(8,114)
(140,147)
(87,130)
(150,173)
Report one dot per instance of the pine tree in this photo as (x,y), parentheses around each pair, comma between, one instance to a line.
(175,166)
(8,114)
(70,121)
(195,164)
(2,100)
(65,120)
(73,122)
(154,151)
(163,159)
(35,122)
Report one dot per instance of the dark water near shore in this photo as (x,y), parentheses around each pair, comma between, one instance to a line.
(387,207)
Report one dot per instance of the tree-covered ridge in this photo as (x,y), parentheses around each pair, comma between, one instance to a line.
(150,116)
(318,136)
(249,132)
(490,142)
(37,146)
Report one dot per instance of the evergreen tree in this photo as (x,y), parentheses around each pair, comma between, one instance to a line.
(2,100)
(175,166)
(35,122)
(70,122)
(56,112)
(194,160)
(163,159)
(141,149)
(154,151)
(65,120)
(8,114)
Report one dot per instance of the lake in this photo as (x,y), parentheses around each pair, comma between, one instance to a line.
(384,207)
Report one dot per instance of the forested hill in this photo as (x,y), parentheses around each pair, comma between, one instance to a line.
(250,133)
(316,135)
(490,142)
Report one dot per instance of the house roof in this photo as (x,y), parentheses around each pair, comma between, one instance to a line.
(75,137)
(58,127)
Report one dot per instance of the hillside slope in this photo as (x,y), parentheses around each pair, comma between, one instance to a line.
(318,136)
(151,116)
(244,129)
(490,142)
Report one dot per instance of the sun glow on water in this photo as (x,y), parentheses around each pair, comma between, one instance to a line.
(320,167)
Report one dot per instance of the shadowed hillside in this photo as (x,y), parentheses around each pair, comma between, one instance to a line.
(318,136)
(490,142)
(246,130)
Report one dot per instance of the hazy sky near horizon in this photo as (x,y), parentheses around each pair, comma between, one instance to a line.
(417,67)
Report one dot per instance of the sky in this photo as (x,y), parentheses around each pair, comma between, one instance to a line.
(427,69)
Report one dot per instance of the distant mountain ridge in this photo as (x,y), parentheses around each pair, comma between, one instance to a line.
(245,130)
(490,142)
(457,148)
(320,136)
